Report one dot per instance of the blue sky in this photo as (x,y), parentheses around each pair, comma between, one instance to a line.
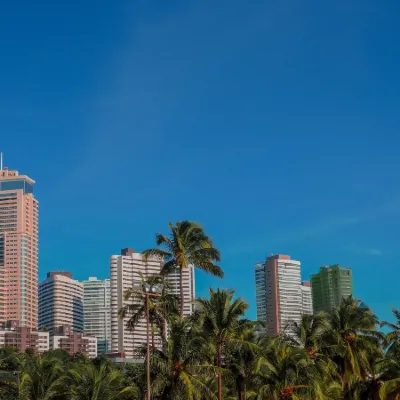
(273,123)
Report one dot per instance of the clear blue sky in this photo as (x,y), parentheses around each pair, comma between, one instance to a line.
(273,123)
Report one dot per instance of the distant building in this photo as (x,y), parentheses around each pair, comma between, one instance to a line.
(124,273)
(121,359)
(189,292)
(64,338)
(19,218)
(60,302)
(278,279)
(330,286)
(97,312)
(306,298)
(261,292)
(23,338)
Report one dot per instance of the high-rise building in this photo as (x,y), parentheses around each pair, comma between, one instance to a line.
(60,302)
(188,287)
(19,211)
(329,286)
(284,298)
(261,292)
(97,312)
(306,298)
(125,270)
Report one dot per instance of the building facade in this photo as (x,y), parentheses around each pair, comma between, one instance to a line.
(189,292)
(330,286)
(125,270)
(97,312)
(19,218)
(60,302)
(306,298)
(261,292)
(23,338)
(284,298)
(65,338)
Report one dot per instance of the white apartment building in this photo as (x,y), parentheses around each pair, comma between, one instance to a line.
(306,298)
(283,297)
(97,312)
(188,288)
(124,273)
(60,302)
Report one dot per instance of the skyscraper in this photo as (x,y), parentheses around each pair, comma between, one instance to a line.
(330,286)
(283,292)
(261,292)
(19,212)
(97,312)
(60,302)
(188,287)
(124,273)
(306,298)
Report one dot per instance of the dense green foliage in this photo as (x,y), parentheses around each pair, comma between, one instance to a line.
(339,355)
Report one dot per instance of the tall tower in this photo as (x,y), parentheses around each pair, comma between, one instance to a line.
(97,312)
(125,270)
(19,213)
(284,296)
(330,286)
(60,302)
(261,292)
(306,298)
(124,274)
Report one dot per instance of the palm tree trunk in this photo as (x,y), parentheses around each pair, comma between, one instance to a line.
(181,287)
(219,372)
(152,336)
(164,334)
(241,389)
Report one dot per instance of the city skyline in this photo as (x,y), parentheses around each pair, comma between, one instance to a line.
(12,176)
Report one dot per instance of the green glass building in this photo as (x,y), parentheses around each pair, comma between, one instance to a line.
(330,286)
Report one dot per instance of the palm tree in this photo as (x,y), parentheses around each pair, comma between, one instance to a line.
(162,307)
(392,338)
(352,340)
(10,361)
(40,378)
(222,322)
(240,361)
(285,373)
(186,245)
(309,332)
(97,382)
(180,369)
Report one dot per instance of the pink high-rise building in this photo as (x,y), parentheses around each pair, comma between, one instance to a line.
(18,249)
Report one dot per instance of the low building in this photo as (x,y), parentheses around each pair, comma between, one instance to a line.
(121,359)
(64,338)
(23,338)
